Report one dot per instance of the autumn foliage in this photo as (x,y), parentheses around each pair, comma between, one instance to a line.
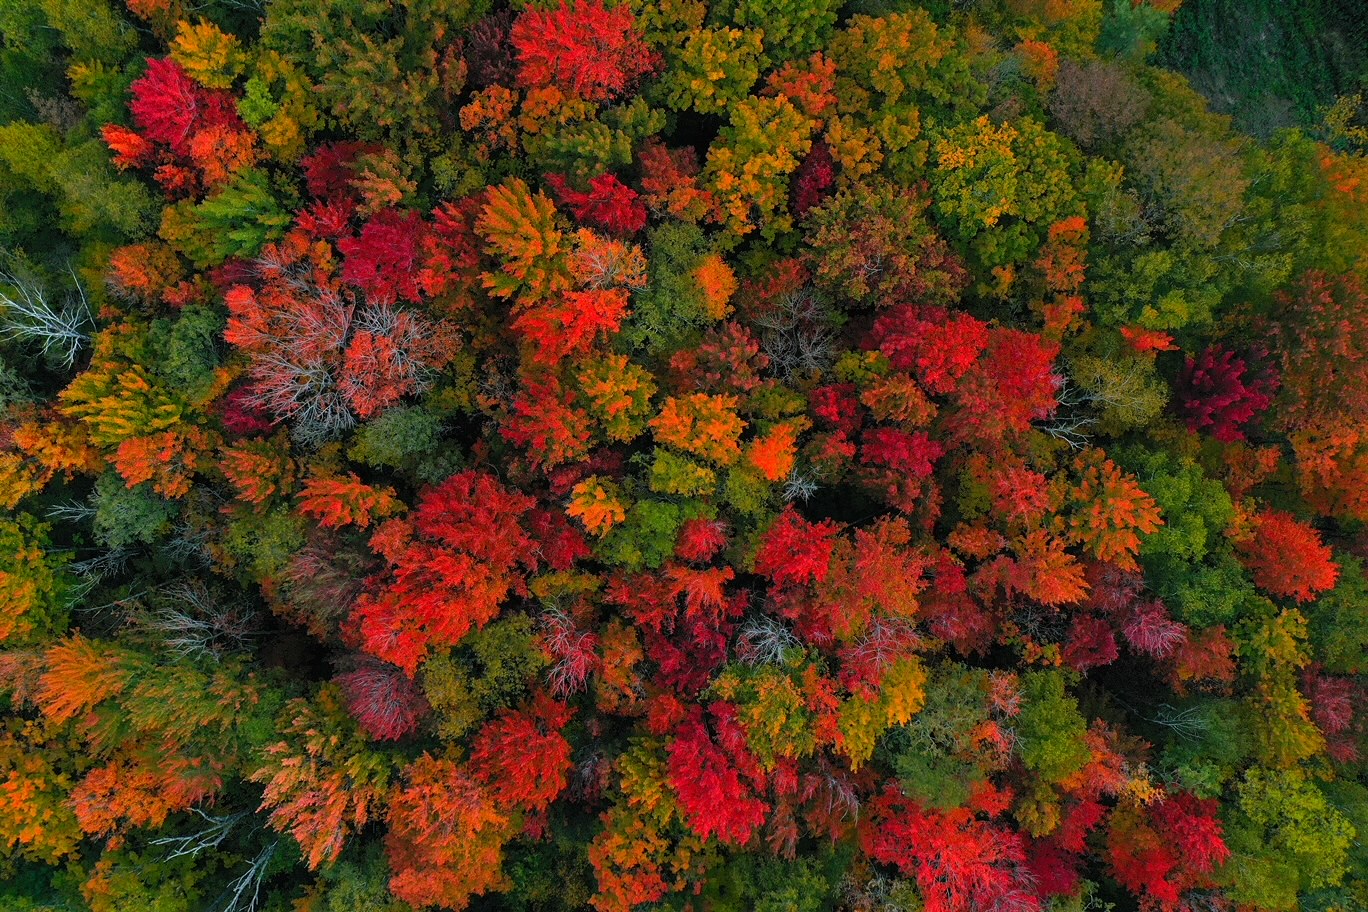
(705,455)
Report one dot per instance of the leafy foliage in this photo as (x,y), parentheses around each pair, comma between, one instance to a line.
(773,455)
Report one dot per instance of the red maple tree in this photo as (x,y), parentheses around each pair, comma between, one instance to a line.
(608,203)
(961,863)
(589,50)
(453,563)
(716,777)
(1287,557)
(521,756)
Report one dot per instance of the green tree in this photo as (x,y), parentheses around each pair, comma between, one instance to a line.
(793,28)
(1000,187)
(1050,729)
(712,69)
(1286,838)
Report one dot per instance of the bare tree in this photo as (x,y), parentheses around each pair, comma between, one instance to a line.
(190,621)
(27,314)
(244,893)
(763,640)
(209,836)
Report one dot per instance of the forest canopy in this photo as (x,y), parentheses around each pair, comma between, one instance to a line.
(643,455)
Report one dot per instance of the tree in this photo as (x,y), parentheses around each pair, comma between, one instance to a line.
(1114,511)
(546,419)
(795,551)
(595,502)
(1319,333)
(521,757)
(715,776)
(451,567)
(31,583)
(764,141)
(1096,103)
(1287,557)
(619,392)
(999,188)
(960,863)
(167,459)
(1285,821)
(1012,385)
(1192,178)
(383,259)
(572,323)
(237,221)
(1050,730)
(446,837)
(207,54)
(701,424)
(1172,847)
(522,230)
(874,242)
(1213,393)
(608,203)
(712,69)
(669,181)
(323,781)
(40,823)
(931,344)
(336,502)
(384,701)
(258,470)
(170,107)
(317,358)
(588,50)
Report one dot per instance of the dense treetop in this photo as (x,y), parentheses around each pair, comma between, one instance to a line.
(777,455)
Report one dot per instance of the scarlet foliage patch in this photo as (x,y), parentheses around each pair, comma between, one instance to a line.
(961,863)
(588,50)
(936,347)
(170,107)
(383,260)
(1288,558)
(795,550)
(716,776)
(521,756)
(608,203)
(1169,848)
(452,565)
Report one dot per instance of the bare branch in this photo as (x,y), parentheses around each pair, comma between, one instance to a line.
(61,330)
(209,836)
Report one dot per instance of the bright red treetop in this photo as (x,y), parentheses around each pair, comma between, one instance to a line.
(1217,391)
(608,203)
(934,346)
(521,756)
(1168,850)
(170,107)
(384,260)
(796,551)
(715,778)
(961,863)
(588,50)
(453,575)
(1288,558)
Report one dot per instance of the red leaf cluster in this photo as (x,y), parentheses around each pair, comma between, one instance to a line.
(716,777)
(589,50)
(453,564)
(1216,391)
